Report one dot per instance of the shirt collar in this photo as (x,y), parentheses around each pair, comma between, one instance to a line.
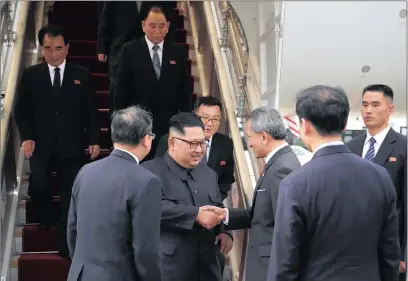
(273,152)
(330,143)
(128,152)
(379,137)
(150,44)
(61,66)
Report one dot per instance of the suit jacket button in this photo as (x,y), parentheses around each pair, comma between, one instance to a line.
(195,191)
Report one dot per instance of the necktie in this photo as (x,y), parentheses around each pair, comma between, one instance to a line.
(57,79)
(371,151)
(156,61)
(205,160)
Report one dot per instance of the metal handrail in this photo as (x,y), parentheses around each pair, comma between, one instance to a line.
(27,21)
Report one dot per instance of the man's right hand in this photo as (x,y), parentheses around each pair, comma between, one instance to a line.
(102,57)
(28,147)
(208,218)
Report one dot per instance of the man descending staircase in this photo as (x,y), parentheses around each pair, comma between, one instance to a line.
(39,259)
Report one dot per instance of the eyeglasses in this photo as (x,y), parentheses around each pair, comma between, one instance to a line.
(205,119)
(152,135)
(195,144)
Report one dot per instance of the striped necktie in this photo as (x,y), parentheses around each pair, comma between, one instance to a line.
(371,151)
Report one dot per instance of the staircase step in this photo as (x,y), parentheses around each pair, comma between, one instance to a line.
(36,239)
(88,47)
(42,267)
(91,62)
(86,17)
(100,82)
(31,213)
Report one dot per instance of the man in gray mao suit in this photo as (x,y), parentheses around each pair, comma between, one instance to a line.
(189,233)
(266,133)
(336,217)
(114,217)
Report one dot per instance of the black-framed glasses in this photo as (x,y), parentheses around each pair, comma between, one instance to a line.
(205,119)
(194,144)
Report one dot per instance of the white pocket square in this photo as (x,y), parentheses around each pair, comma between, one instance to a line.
(259,190)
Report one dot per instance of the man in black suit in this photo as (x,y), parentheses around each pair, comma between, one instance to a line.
(266,133)
(114,229)
(153,74)
(121,22)
(385,147)
(188,233)
(336,217)
(220,154)
(56,117)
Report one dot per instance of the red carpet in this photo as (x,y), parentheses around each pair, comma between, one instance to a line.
(80,21)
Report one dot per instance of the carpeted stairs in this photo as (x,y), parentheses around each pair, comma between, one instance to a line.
(39,260)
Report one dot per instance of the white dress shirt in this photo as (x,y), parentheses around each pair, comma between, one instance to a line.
(128,152)
(379,139)
(273,152)
(150,45)
(51,69)
(139,5)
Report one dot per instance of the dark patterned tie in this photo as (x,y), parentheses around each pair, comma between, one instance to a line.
(156,61)
(371,151)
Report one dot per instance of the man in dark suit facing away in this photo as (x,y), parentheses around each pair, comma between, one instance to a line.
(219,155)
(153,73)
(56,117)
(387,148)
(336,217)
(189,233)
(114,217)
(266,133)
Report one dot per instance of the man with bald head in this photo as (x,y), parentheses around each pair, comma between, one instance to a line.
(188,232)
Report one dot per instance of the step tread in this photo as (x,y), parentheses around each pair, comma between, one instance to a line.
(42,257)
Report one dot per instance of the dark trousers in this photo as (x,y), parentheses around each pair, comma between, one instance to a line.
(40,190)
(402,277)
(221,259)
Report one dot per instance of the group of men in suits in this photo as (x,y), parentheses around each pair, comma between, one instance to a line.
(153,226)
(299,226)
(339,217)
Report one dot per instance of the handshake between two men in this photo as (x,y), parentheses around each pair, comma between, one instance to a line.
(211,216)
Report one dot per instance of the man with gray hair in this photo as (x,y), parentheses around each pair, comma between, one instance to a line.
(266,133)
(114,217)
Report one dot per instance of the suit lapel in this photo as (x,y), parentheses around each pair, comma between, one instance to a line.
(359,145)
(386,148)
(280,152)
(47,77)
(165,59)
(67,79)
(214,148)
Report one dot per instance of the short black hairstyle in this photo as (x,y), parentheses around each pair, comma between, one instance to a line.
(386,90)
(155,9)
(185,120)
(52,31)
(208,101)
(327,108)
